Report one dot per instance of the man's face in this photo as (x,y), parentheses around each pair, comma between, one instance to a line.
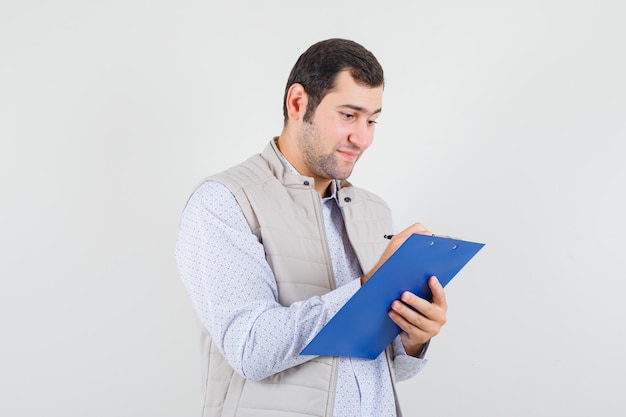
(342,128)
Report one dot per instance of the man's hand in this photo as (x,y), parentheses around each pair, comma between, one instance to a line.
(423,323)
(394,244)
(419,325)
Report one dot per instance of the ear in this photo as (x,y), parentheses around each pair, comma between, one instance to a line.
(296,102)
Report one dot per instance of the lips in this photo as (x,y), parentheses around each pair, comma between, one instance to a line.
(349,155)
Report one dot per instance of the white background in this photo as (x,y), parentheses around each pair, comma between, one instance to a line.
(502,124)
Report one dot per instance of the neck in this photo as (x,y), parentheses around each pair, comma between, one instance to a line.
(323,188)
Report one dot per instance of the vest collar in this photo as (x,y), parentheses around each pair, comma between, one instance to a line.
(274,158)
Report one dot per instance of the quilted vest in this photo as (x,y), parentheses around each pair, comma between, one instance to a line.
(284,212)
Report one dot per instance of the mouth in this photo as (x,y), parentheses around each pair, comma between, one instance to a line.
(349,155)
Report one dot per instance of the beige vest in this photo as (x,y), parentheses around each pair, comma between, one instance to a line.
(285,213)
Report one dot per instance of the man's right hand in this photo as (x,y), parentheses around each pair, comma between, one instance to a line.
(394,244)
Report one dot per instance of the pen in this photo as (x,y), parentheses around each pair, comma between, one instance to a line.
(433,235)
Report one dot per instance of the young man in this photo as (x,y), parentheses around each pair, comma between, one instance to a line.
(270,250)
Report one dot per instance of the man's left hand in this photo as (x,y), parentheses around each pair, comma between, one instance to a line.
(423,323)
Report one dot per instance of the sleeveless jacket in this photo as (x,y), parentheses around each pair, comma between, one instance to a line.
(284,212)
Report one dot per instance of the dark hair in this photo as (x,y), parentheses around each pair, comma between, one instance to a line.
(318,66)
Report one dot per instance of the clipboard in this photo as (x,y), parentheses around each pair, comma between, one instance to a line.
(362,327)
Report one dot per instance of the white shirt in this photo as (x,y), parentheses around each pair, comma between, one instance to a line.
(234,292)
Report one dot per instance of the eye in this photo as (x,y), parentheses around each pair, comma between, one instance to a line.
(372,122)
(347,116)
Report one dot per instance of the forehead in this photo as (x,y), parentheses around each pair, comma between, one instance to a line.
(348,92)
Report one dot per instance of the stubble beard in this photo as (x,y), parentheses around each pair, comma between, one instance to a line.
(321,164)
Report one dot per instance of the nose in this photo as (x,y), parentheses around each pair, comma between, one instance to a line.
(362,135)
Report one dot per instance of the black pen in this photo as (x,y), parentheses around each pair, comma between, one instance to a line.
(433,235)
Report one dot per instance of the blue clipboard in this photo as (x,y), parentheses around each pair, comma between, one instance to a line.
(362,328)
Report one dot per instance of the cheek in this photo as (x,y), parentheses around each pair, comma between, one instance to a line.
(332,135)
(340,132)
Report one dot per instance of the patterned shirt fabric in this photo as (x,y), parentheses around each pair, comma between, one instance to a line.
(234,292)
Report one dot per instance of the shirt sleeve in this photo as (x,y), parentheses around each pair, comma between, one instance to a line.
(233,290)
(406,366)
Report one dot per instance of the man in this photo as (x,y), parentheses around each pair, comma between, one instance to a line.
(270,250)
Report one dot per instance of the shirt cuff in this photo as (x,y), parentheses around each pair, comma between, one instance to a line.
(406,366)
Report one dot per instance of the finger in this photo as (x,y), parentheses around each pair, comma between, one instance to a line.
(439,295)
(417,228)
(430,312)
(399,238)
(414,228)
(418,305)
(407,319)
(417,327)
(411,315)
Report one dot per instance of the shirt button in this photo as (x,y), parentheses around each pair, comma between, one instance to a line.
(306,183)
(347,199)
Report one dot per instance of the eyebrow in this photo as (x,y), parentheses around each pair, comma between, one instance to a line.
(361,109)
